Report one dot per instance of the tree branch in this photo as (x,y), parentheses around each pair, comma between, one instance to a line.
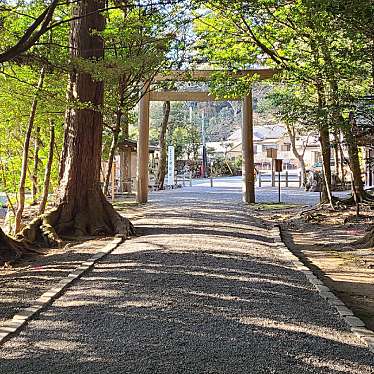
(31,35)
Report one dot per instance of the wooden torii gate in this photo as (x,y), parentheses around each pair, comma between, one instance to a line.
(142,177)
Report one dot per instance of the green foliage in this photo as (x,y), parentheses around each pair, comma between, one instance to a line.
(222,166)
(16,97)
(321,48)
(137,40)
(182,134)
(186,141)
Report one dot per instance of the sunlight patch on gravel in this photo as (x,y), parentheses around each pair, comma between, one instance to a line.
(308,329)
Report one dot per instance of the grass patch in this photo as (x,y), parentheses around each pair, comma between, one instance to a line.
(125,204)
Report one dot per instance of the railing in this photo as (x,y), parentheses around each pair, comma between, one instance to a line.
(286,178)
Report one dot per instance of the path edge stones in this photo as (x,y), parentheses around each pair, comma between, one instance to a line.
(12,326)
(356,325)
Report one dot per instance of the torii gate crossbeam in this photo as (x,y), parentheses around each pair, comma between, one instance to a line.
(248,176)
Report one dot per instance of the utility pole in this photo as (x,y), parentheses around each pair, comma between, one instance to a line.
(204,154)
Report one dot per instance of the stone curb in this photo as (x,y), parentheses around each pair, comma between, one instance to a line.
(13,326)
(357,326)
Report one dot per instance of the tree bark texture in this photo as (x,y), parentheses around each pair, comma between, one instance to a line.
(161,171)
(324,134)
(342,166)
(83,208)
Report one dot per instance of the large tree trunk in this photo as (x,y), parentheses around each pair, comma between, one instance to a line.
(25,155)
(82,208)
(161,172)
(48,168)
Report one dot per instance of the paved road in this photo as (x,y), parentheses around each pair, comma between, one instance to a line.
(230,187)
(202,290)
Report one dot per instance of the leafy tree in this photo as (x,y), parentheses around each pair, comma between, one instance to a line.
(294,106)
(304,40)
(81,207)
(137,45)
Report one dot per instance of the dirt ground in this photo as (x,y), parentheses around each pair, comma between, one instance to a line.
(324,243)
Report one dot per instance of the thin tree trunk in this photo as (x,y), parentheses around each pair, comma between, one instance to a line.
(117,129)
(25,155)
(112,153)
(303,170)
(326,157)
(126,171)
(336,154)
(342,166)
(325,147)
(354,161)
(34,175)
(161,172)
(323,124)
(299,156)
(48,168)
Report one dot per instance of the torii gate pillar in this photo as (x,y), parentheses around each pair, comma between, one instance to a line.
(142,177)
(248,166)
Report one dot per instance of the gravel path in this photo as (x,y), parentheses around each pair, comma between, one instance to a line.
(202,290)
(23,283)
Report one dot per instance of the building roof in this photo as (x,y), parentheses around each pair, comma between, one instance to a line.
(261,133)
(133,145)
(219,147)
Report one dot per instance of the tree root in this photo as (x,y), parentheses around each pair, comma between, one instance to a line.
(339,204)
(350,201)
(96,220)
(11,249)
(367,241)
(96,217)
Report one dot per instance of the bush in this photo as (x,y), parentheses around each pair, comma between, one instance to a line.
(222,166)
